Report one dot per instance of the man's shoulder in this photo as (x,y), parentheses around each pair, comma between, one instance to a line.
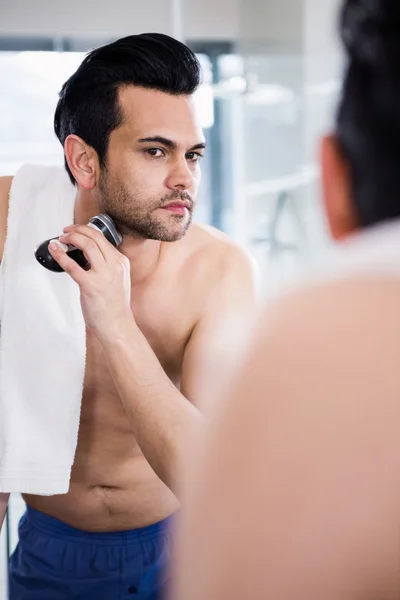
(5,186)
(216,246)
(5,181)
(206,237)
(221,271)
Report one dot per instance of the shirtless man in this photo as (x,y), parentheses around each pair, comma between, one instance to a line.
(307,506)
(152,309)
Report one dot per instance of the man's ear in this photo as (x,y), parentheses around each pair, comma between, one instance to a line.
(339,208)
(82,161)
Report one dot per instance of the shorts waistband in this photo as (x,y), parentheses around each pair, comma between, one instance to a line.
(54,527)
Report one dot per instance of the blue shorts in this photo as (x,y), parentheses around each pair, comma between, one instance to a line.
(54,561)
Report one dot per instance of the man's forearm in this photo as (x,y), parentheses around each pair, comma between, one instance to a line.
(161,417)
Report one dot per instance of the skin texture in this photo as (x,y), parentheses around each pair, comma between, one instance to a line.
(155,313)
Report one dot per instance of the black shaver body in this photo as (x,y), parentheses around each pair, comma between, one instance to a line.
(102,223)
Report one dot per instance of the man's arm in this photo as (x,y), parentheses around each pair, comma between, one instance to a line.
(220,336)
(297,494)
(161,417)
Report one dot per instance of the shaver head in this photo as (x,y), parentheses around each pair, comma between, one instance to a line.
(102,223)
(106,225)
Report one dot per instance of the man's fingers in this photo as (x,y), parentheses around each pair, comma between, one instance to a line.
(67,263)
(88,246)
(104,245)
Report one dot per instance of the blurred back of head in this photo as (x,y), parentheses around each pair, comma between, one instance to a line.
(368,118)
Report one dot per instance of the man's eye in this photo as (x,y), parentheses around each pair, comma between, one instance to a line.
(155,152)
(194,156)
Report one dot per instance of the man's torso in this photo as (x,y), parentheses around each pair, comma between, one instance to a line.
(112,485)
(113,488)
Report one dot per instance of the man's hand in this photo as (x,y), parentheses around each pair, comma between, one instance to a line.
(105,288)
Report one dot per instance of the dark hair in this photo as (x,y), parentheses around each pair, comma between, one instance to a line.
(88,102)
(368,119)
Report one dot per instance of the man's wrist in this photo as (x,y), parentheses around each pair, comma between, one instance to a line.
(118,330)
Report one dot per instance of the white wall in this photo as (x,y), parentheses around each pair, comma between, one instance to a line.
(320,26)
(271,25)
(202,19)
(323,62)
(211,19)
(278,20)
(82,17)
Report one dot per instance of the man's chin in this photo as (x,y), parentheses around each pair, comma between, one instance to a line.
(171,236)
(170,230)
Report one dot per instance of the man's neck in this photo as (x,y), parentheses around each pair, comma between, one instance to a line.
(143,254)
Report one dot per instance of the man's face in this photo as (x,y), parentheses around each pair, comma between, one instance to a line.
(150,182)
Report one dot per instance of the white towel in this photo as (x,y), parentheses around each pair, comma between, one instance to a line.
(42,341)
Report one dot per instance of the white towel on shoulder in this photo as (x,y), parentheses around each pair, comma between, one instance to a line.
(42,341)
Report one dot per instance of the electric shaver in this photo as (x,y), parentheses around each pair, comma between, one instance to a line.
(102,223)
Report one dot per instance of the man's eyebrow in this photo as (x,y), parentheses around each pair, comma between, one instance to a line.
(201,146)
(158,139)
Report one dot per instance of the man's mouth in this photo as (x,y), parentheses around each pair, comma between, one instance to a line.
(177,207)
